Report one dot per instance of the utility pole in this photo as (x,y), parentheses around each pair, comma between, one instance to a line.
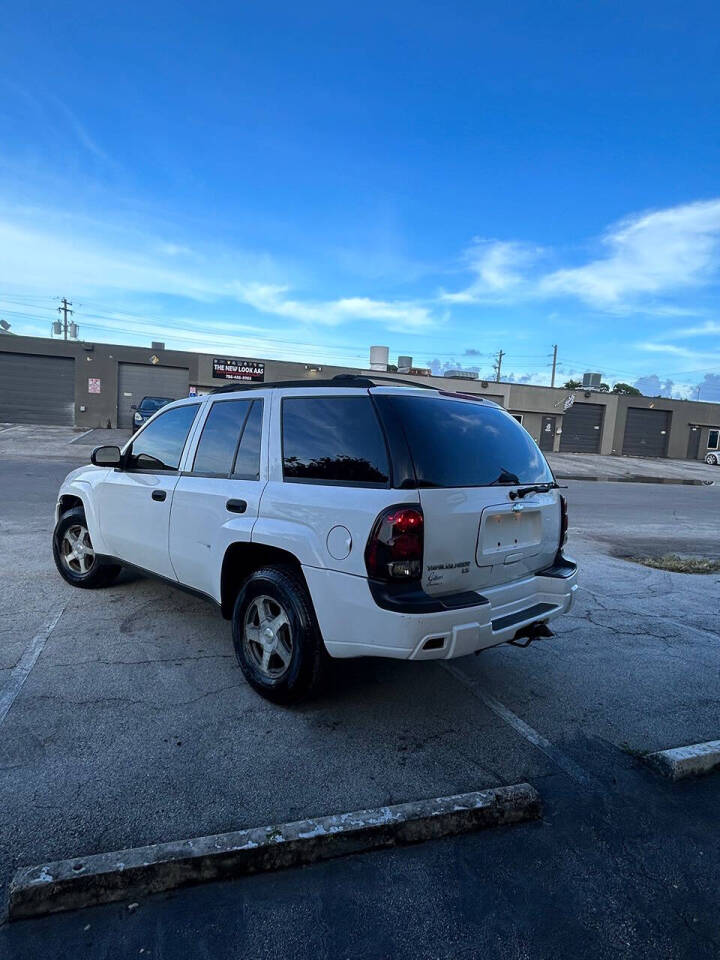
(498,365)
(552,378)
(64,309)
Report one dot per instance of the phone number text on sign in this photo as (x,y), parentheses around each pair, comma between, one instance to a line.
(238,369)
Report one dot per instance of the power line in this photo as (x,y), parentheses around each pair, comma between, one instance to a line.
(139,325)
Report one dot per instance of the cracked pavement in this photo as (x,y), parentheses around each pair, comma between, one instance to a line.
(135,725)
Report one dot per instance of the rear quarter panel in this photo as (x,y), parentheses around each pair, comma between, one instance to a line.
(314,521)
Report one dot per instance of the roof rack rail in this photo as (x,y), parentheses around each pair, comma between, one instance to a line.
(341,380)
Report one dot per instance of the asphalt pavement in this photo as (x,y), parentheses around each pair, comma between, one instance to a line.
(135,725)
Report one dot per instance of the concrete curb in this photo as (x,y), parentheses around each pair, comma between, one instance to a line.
(681,762)
(106,877)
(607,478)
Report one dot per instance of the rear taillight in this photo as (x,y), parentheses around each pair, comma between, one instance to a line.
(563,520)
(395,548)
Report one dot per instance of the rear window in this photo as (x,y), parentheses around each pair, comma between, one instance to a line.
(247,460)
(221,436)
(333,440)
(456,443)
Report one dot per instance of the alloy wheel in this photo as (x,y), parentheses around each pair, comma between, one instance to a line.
(77,550)
(267,637)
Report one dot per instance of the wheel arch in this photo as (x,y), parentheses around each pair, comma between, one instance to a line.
(68,501)
(239,561)
(79,493)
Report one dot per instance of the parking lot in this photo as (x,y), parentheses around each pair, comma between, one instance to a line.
(135,725)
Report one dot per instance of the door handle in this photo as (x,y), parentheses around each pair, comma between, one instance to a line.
(159,495)
(236,506)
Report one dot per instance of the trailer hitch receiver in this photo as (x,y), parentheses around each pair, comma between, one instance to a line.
(533,631)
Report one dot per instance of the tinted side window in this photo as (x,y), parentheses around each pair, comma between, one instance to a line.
(457,443)
(160,445)
(333,440)
(220,435)
(247,461)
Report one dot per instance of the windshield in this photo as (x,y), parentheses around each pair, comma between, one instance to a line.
(458,443)
(151,404)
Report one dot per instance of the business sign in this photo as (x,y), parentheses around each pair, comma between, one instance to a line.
(253,370)
(94,385)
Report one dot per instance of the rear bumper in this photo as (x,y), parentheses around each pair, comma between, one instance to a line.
(354,625)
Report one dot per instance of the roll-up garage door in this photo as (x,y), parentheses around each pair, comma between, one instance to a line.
(37,389)
(582,428)
(646,432)
(138,380)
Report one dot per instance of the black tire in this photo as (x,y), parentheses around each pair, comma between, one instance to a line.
(98,573)
(280,588)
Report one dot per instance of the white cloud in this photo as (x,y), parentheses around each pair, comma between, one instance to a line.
(703,358)
(650,254)
(79,129)
(394,314)
(53,261)
(60,258)
(499,268)
(707,329)
(668,348)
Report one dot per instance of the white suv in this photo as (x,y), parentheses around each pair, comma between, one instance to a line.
(337,517)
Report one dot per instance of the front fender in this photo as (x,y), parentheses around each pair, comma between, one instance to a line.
(78,485)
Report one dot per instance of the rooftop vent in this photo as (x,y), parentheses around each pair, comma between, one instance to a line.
(379,358)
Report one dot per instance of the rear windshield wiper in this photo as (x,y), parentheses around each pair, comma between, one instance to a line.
(534,488)
(505,479)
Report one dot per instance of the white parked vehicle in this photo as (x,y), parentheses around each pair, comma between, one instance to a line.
(339,518)
(713,451)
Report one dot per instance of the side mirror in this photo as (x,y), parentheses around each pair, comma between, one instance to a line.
(133,406)
(106,456)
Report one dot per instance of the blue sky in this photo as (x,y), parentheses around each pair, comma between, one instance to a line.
(304,180)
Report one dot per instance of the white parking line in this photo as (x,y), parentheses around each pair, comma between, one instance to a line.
(25,664)
(565,763)
(76,439)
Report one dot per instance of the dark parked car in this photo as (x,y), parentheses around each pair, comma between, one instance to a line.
(147,407)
